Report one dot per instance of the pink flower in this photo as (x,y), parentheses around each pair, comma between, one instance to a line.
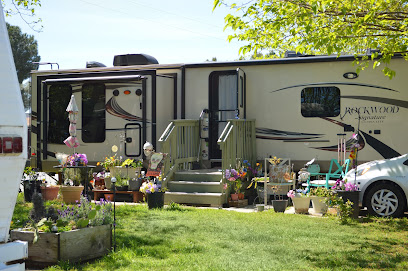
(291,194)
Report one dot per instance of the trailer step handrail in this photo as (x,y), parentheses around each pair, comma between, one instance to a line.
(181,142)
(237,143)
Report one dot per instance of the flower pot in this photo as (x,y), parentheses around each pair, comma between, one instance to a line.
(234,197)
(49,193)
(128,173)
(279,206)
(353,196)
(301,205)
(155,200)
(108,197)
(108,183)
(134,185)
(260,207)
(240,196)
(29,188)
(71,194)
(122,188)
(319,206)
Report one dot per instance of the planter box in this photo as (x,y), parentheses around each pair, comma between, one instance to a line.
(238,203)
(73,246)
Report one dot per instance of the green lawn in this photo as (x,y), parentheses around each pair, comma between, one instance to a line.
(207,239)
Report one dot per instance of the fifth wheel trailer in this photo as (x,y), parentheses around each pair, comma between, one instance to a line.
(13,140)
(301,104)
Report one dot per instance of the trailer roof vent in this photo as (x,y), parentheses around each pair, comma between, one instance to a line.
(94,64)
(134,59)
(292,54)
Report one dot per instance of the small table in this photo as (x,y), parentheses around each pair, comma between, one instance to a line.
(86,182)
(137,195)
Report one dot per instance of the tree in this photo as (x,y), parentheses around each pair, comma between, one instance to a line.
(25,52)
(322,27)
(24,9)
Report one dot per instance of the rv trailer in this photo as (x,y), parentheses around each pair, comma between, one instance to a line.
(13,155)
(302,106)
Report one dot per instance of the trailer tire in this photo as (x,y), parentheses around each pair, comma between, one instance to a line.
(385,200)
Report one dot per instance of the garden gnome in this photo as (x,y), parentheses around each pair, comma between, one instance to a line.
(148,149)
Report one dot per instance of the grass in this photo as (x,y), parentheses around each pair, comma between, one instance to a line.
(186,238)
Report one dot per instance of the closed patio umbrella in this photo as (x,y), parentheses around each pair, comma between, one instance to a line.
(72,109)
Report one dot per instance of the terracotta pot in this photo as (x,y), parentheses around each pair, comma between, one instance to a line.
(301,205)
(234,197)
(240,196)
(108,197)
(49,193)
(71,194)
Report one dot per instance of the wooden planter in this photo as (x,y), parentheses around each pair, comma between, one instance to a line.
(73,246)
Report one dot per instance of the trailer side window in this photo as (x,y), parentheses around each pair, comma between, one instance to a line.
(320,102)
(93,115)
(58,98)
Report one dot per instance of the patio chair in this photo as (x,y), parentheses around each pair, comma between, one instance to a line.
(336,171)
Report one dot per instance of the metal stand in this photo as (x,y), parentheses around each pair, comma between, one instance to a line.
(341,148)
(113,180)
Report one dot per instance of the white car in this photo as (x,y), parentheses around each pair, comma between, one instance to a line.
(383,185)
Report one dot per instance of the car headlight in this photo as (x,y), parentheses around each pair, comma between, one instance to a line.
(362,171)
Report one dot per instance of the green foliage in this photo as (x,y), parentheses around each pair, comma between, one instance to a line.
(321,27)
(320,192)
(25,51)
(131,163)
(25,9)
(174,207)
(345,209)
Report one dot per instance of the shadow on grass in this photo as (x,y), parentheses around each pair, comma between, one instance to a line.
(375,254)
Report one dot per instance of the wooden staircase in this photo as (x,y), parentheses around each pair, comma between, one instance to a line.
(196,187)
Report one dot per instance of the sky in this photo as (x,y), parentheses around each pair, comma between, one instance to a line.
(177,31)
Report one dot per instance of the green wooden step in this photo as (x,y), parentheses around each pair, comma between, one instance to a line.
(191,186)
(211,199)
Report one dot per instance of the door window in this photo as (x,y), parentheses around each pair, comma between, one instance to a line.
(58,123)
(93,113)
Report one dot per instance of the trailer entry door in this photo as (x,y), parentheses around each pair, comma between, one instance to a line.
(226,101)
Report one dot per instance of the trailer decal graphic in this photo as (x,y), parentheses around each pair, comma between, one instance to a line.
(113,108)
(383,149)
(335,83)
(266,133)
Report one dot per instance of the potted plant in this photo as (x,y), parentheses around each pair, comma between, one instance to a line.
(66,232)
(76,175)
(301,200)
(234,182)
(121,183)
(49,192)
(154,193)
(348,191)
(129,168)
(318,196)
(30,183)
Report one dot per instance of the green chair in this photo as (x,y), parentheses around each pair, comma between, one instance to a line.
(336,171)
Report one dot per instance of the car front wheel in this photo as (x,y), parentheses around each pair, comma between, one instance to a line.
(385,200)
